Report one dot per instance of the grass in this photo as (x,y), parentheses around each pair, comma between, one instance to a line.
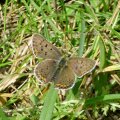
(86,29)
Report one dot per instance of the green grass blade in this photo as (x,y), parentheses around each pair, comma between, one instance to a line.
(82,36)
(49,102)
(102,54)
(102,99)
(5,11)
(2,115)
(112,68)
(5,64)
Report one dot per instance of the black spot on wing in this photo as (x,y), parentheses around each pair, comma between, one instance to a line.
(46,45)
(41,48)
(45,53)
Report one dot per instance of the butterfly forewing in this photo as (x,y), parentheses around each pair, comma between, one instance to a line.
(45,70)
(81,66)
(42,48)
(65,79)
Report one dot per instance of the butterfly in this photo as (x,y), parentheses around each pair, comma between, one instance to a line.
(55,67)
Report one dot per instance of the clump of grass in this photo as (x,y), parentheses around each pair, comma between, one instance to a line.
(88,29)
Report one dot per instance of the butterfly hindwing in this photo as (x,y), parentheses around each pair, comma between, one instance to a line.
(45,70)
(65,78)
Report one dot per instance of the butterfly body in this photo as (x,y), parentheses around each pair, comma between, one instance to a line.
(60,67)
(56,68)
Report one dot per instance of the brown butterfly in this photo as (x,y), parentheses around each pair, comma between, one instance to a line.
(57,68)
